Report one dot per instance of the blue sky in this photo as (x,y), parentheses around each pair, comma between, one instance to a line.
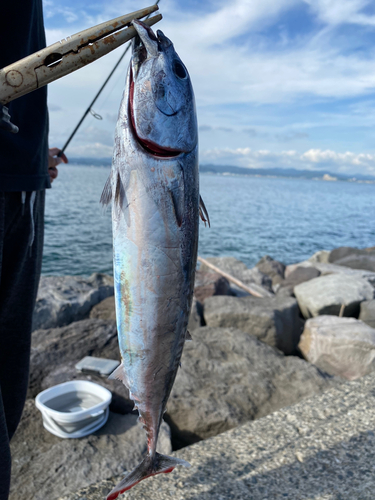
(278,83)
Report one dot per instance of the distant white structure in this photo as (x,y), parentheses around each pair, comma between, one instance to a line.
(327,177)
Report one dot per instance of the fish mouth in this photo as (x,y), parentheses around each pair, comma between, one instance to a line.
(149,146)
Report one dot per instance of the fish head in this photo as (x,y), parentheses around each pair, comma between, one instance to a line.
(161,97)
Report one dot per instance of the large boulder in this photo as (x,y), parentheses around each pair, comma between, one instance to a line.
(366,262)
(275,321)
(47,467)
(272,268)
(58,346)
(105,309)
(208,284)
(367,312)
(296,277)
(64,299)
(339,346)
(326,295)
(228,377)
(322,256)
(343,252)
(239,270)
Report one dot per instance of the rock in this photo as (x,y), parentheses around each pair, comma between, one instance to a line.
(228,377)
(366,262)
(326,269)
(339,346)
(320,257)
(239,270)
(299,275)
(105,309)
(342,252)
(64,299)
(208,284)
(326,294)
(367,312)
(321,448)
(46,467)
(292,267)
(272,268)
(64,373)
(196,315)
(58,346)
(275,320)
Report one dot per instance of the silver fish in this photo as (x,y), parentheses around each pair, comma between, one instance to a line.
(156,205)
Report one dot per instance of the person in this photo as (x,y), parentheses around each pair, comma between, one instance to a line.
(27,169)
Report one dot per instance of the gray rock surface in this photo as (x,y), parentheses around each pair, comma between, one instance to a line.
(196,315)
(296,277)
(208,284)
(366,262)
(59,346)
(64,299)
(275,321)
(322,256)
(339,346)
(105,309)
(66,372)
(239,270)
(367,312)
(228,377)
(326,294)
(272,268)
(319,449)
(46,467)
(343,252)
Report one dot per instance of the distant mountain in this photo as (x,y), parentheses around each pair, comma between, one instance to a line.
(231,169)
(96,162)
(281,172)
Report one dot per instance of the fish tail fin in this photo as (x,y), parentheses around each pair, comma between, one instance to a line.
(150,466)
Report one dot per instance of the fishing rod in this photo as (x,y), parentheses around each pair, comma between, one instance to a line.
(89,109)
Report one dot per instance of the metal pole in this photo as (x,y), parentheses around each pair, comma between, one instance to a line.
(97,95)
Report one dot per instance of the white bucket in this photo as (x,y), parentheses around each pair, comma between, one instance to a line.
(74,409)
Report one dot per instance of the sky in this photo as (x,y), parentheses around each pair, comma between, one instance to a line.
(278,83)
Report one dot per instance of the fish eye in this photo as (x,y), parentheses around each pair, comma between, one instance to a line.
(179,70)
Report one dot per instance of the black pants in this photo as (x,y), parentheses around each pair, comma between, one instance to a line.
(20,266)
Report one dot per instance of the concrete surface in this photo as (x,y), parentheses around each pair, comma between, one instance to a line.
(322,448)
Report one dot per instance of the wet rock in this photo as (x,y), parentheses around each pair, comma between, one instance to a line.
(339,346)
(47,467)
(57,346)
(272,268)
(121,402)
(64,299)
(326,294)
(275,320)
(228,377)
(367,312)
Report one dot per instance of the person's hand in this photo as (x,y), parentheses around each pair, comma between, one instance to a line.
(5,122)
(53,161)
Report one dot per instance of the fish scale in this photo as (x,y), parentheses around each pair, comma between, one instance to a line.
(155,214)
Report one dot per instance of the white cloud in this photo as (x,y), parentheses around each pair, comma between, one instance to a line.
(313,159)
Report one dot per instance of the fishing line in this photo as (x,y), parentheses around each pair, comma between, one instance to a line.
(88,110)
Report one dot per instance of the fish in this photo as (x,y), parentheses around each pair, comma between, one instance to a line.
(156,205)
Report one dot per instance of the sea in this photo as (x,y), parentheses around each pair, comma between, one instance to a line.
(287,218)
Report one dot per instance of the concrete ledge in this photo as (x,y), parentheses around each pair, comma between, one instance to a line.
(322,448)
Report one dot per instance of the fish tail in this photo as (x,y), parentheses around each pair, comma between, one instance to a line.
(150,466)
